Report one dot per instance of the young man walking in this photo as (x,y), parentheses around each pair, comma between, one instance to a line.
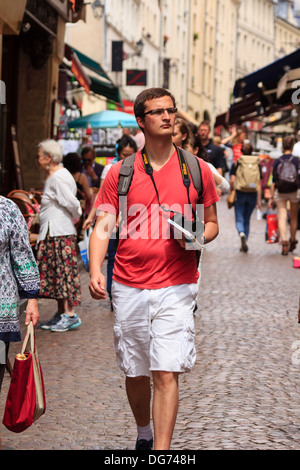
(155,277)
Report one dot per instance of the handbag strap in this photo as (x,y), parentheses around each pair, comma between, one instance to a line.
(29,338)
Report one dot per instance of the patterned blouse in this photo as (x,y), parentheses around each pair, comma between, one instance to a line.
(19,275)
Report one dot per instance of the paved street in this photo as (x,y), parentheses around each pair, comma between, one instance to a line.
(244,390)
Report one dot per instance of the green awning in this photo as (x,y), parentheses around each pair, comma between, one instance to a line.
(108,90)
(103,85)
(91,64)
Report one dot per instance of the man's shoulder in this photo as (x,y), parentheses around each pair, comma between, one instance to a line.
(212,148)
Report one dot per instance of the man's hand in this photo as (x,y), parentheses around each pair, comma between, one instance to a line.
(90,171)
(87,224)
(97,286)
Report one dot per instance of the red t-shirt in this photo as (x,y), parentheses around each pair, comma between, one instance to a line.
(237,151)
(147,256)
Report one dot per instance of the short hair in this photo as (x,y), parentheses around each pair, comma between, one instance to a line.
(205,123)
(72,162)
(52,148)
(126,141)
(149,94)
(86,149)
(217,140)
(288,142)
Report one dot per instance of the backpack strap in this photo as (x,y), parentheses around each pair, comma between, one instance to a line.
(195,171)
(125,175)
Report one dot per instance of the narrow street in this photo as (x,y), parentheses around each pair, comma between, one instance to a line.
(243,393)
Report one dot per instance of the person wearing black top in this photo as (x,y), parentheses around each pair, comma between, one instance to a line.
(281,199)
(90,168)
(215,153)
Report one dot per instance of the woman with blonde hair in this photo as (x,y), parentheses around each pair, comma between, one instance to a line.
(237,139)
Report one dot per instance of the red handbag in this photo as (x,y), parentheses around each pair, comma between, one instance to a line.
(25,401)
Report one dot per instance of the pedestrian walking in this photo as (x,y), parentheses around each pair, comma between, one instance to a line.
(126,146)
(215,153)
(181,132)
(93,172)
(90,168)
(245,179)
(284,192)
(19,278)
(155,278)
(235,141)
(193,145)
(56,243)
(72,162)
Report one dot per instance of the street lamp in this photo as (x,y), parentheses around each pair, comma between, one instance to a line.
(98,8)
(139,45)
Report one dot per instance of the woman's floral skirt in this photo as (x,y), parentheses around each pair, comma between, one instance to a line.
(58,266)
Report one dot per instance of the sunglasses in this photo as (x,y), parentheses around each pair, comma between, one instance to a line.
(88,159)
(161,111)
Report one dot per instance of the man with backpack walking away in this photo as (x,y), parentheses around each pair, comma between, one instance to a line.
(155,276)
(284,190)
(245,178)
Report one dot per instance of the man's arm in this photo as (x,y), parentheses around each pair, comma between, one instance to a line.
(211,223)
(97,251)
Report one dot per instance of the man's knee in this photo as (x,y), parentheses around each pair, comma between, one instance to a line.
(164,379)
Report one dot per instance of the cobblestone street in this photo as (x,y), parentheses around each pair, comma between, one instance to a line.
(243,393)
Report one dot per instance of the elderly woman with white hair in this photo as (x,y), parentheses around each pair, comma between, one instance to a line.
(57,245)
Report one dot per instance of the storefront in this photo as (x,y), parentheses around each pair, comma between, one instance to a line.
(31,54)
(266,99)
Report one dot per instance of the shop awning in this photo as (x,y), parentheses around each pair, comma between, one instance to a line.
(108,90)
(92,75)
(91,64)
(290,81)
(263,92)
(267,76)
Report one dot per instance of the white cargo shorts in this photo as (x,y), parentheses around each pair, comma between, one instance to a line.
(154,328)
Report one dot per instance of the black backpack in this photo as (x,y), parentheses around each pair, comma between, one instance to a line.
(287,176)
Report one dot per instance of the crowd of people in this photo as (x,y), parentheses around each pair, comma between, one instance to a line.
(152,281)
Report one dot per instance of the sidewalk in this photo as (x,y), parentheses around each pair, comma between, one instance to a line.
(244,390)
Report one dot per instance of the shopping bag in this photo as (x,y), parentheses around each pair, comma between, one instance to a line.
(26,401)
(84,248)
(272,234)
(296,262)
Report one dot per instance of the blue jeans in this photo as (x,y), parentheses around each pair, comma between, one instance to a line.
(244,206)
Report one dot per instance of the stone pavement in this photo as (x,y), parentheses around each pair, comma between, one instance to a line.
(244,390)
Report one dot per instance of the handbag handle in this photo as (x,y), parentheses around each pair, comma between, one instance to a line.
(29,336)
